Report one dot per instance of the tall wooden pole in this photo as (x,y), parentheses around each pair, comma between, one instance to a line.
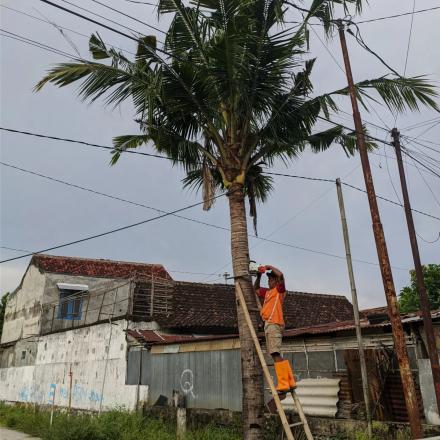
(424,301)
(355,306)
(384,261)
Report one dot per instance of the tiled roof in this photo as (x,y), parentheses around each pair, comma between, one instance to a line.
(97,268)
(212,307)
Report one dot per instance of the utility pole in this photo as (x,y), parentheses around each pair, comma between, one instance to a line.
(424,301)
(226,276)
(355,306)
(384,261)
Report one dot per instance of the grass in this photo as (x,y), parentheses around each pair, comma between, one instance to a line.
(114,425)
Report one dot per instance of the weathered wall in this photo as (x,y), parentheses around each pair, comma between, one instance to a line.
(23,310)
(85,350)
(106,298)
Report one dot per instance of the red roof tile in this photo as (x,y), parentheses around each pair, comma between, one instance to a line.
(97,268)
(211,307)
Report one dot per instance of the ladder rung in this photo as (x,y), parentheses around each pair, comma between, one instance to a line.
(296,424)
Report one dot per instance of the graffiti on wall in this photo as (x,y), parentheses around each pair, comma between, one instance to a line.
(187,382)
(80,394)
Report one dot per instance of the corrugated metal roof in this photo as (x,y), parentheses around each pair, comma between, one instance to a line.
(318,397)
(333,327)
(155,337)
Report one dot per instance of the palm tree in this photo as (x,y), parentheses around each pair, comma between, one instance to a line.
(227,95)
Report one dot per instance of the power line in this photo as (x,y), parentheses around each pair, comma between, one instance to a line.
(140,3)
(35,43)
(105,147)
(420,124)
(398,15)
(160,157)
(390,201)
(409,38)
(13,249)
(99,15)
(300,177)
(120,199)
(91,20)
(60,27)
(128,16)
(162,216)
(112,231)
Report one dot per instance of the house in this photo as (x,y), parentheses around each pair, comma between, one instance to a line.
(83,327)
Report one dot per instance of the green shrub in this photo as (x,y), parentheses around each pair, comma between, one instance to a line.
(113,425)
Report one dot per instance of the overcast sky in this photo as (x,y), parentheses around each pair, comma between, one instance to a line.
(37,213)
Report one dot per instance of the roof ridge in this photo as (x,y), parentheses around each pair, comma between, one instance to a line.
(104,260)
(326,295)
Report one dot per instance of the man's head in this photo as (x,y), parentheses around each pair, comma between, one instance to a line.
(272,280)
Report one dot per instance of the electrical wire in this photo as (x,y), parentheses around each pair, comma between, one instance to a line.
(161,157)
(91,20)
(120,199)
(101,16)
(420,124)
(409,38)
(112,231)
(61,27)
(35,43)
(141,3)
(397,15)
(128,16)
(89,144)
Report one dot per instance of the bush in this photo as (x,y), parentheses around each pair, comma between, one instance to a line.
(114,425)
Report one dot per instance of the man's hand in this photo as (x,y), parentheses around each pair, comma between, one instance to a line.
(257,282)
(276,272)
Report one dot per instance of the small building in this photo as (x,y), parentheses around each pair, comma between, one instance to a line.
(83,330)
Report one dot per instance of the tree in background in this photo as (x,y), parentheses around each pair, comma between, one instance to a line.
(3,302)
(227,96)
(409,296)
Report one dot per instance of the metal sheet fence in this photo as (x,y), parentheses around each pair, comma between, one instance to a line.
(209,379)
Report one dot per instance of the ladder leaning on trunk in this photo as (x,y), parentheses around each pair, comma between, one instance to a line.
(286,426)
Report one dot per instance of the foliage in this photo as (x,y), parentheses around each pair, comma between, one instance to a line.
(114,425)
(230,91)
(409,297)
(383,431)
(3,302)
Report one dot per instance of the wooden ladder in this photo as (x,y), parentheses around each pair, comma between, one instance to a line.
(286,426)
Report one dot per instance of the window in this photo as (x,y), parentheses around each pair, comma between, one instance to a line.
(71,299)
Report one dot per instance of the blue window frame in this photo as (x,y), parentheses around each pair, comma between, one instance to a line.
(70,306)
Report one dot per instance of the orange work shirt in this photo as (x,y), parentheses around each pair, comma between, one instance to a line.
(272,310)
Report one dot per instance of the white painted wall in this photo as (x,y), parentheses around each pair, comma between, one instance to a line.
(85,350)
(23,310)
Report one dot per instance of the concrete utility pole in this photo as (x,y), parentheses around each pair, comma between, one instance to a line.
(355,306)
(424,301)
(384,261)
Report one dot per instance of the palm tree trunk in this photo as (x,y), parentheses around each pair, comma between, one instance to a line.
(252,377)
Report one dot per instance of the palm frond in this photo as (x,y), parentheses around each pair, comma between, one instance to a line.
(398,93)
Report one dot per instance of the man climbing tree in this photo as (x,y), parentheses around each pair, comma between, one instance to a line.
(272,315)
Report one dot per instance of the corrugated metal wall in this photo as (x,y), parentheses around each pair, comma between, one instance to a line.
(209,379)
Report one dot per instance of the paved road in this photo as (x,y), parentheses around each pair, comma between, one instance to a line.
(7,434)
